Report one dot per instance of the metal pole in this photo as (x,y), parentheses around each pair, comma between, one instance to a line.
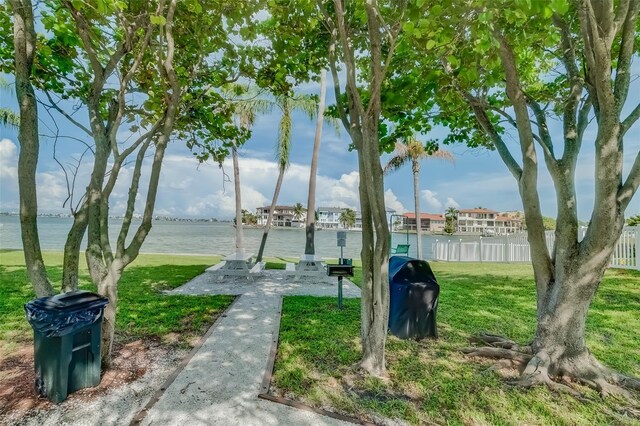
(340,292)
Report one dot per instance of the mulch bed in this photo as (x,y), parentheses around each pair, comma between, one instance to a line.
(17,377)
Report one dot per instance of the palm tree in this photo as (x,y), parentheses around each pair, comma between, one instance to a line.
(298,211)
(287,104)
(247,106)
(451,215)
(634,220)
(310,229)
(347,218)
(412,150)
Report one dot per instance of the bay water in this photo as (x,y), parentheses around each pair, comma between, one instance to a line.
(208,238)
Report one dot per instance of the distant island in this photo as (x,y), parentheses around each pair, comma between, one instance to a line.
(155,218)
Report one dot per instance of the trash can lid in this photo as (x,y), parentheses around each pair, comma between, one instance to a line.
(73,300)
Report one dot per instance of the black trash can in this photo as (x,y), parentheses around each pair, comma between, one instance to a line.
(67,329)
(414,295)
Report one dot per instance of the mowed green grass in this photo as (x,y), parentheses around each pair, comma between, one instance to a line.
(143,311)
(432,382)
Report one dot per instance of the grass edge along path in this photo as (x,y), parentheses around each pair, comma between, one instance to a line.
(431,382)
(143,311)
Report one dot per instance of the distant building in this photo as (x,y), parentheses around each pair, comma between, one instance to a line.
(283,216)
(428,222)
(358,224)
(487,222)
(329,217)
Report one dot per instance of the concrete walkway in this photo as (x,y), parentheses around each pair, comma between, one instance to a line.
(220,385)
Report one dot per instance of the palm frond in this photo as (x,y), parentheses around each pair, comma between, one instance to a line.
(9,118)
(396,163)
(283,146)
(442,154)
(308,104)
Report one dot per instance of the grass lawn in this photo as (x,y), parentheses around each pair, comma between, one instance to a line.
(143,312)
(431,382)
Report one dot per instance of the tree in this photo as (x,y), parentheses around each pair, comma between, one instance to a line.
(299,211)
(248,218)
(247,105)
(24,53)
(412,150)
(310,225)
(451,220)
(634,220)
(519,65)
(80,60)
(357,46)
(360,39)
(347,218)
(287,104)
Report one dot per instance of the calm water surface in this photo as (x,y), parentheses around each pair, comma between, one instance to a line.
(209,238)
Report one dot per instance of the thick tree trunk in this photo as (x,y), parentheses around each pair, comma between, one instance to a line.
(309,246)
(108,287)
(236,185)
(416,200)
(558,350)
(71,262)
(267,226)
(24,38)
(375,255)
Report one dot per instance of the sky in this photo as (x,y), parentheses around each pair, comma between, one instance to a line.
(192,190)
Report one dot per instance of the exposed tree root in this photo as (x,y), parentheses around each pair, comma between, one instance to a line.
(558,372)
(498,342)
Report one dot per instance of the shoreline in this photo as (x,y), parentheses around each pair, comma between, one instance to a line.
(179,254)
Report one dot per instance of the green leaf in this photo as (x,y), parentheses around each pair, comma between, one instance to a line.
(157,20)
(430,44)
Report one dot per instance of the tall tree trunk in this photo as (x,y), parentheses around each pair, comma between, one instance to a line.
(24,40)
(374,255)
(267,226)
(309,247)
(236,185)
(416,200)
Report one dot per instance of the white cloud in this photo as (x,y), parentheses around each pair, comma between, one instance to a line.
(8,160)
(188,188)
(451,203)
(8,175)
(430,197)
(392,202)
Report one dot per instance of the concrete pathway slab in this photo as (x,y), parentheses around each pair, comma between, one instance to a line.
(221,383)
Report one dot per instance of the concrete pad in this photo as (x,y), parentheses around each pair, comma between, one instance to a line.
(271,283)
(220,385)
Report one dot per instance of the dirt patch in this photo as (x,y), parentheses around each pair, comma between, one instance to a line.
(18,398)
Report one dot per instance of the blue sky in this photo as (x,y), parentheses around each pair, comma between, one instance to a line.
(187,189)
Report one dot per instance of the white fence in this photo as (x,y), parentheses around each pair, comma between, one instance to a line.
(515,248)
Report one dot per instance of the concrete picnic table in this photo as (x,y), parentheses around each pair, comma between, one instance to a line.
(237,264)
(309,265)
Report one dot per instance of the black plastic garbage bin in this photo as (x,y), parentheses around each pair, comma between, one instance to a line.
(414,295)
(66,342)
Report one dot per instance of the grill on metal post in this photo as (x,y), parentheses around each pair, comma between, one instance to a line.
(344,268)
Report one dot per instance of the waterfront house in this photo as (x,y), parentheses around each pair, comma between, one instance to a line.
(358,224)
(329,217)
(283,216)
(428,222)
(486,222)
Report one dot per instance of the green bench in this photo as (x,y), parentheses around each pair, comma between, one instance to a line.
(400,249)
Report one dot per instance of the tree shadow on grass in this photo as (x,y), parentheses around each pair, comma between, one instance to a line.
(431,381)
